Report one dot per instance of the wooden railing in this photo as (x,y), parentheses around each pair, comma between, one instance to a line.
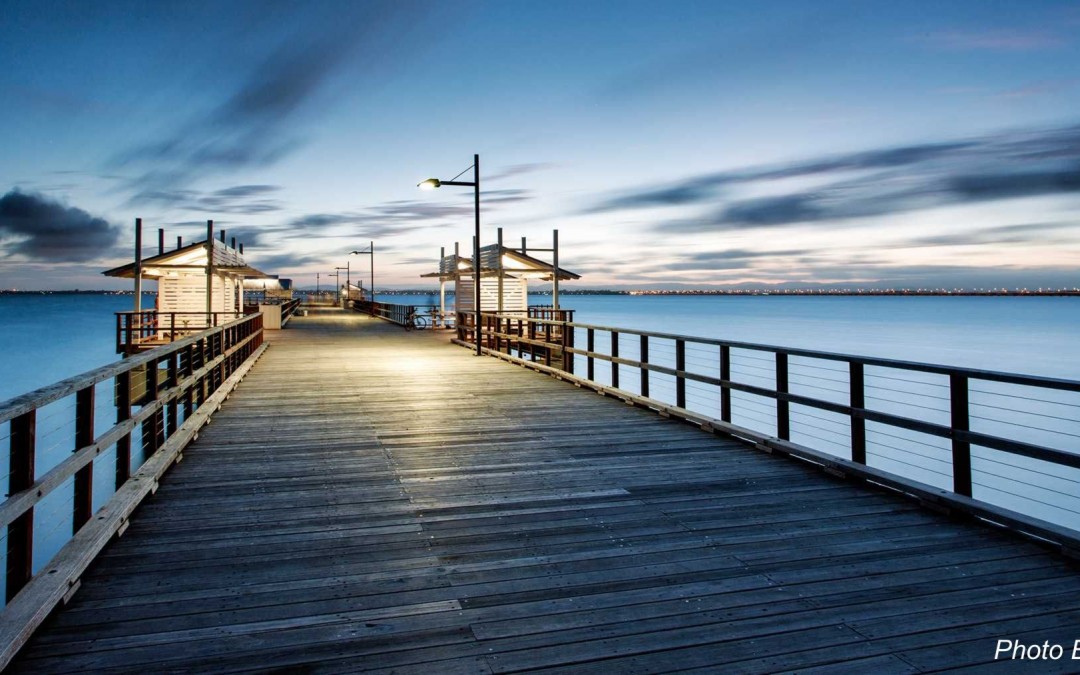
(137,331)
(288,309)
(400,314)
(537,339)
(385,310)
(157,401)
(1002,446)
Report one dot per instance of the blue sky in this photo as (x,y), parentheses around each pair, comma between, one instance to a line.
(692,143)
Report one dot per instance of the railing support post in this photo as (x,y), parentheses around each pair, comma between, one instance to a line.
(857,400)
(725,390)
(680,376)
(567,345)
(961,449)
(123,413)
(783,416)
(83,504)
(151,427)
(614,354)
(590,346)
(174,380)
(20,532)
(644,358)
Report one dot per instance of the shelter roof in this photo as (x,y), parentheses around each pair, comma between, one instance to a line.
(192,257)
(496,260)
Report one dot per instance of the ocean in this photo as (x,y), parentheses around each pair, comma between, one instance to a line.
(45,338)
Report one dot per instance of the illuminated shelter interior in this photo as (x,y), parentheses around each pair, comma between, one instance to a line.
(504,277)
(182,274)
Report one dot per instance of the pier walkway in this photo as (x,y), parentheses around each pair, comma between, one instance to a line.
(372,499)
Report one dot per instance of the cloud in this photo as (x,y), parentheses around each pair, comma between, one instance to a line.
(398,217)
(1013,165)
(37,227)
(256,122)
(1005,234)
(703,189)
(741,254)
(271,264)
(239,199)
(519,170)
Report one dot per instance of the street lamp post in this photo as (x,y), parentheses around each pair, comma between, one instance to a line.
(432,183)
(337,282)
(370,252)
(348,282)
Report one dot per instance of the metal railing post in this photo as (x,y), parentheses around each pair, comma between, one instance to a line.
(614,354)
(783,416)
(961,449)
(680,370)
(644,358)
(857,400)
(725,390)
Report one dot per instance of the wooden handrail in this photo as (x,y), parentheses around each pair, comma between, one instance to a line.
(181,379)
(973,373)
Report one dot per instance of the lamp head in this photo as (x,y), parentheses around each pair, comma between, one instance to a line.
(429,184)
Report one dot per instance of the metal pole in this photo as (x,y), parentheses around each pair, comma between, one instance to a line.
(499,253)
(476,252)
(373,271)
(209,271)
(442,286)
(317,279)
(138,269)
(161,241)
(524,250)
(555,276)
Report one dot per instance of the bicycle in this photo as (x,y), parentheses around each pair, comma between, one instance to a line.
(415,321)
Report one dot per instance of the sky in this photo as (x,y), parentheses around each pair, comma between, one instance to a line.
(673,145)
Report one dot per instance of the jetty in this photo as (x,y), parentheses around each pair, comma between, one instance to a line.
(355,497)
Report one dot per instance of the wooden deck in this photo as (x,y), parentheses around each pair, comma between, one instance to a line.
(371,499)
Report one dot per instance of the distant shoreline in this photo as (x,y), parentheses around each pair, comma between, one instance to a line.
(899,292)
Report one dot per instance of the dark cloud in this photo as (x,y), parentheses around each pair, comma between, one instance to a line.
(258,122)
(742,254)
(704,189)
(693,192)
(360,226)
(401,216)
(239,199)
(978,187)
(878,183)
(489,197)
(272,263)
(1005,234)
(518,170)
(37,227)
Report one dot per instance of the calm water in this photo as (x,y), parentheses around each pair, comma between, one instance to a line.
(45,338)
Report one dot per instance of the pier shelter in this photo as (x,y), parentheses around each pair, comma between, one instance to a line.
(504,279)
(198,286)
